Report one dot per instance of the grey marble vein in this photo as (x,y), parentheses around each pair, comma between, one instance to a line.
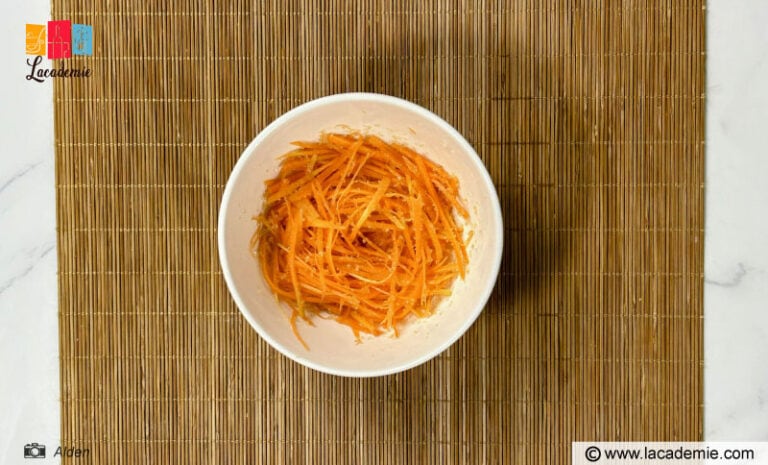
(735,280)
(18,175)
(7,284)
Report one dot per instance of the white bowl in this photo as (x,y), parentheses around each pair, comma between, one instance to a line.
(332,347)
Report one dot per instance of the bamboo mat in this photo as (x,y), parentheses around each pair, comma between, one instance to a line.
(589,117)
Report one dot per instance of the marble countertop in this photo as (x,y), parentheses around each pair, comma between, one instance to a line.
(29,347)
(736,249)
(736,231)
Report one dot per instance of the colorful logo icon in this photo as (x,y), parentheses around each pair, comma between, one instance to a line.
(60,39)
(35,39)
(82,39)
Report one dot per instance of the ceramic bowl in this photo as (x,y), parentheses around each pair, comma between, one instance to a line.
(332,347)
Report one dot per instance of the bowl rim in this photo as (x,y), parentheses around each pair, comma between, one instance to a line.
(484,294)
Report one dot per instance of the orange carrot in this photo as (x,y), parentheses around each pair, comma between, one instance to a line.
(361,230)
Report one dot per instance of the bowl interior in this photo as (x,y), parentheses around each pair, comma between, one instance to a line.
(332,346)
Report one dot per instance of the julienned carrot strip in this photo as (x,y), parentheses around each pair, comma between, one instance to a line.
(293,240)
(373,203)
(361,230)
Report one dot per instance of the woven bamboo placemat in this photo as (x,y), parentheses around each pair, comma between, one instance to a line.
(589,117)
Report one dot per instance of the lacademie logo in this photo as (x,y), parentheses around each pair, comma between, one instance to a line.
(57,40)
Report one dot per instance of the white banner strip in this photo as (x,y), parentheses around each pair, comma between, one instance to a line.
(664,453)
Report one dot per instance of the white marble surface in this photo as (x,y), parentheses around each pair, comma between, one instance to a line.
(29,364)
(736,290)
(736,239)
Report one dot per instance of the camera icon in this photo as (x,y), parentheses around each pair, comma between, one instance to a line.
(34,451)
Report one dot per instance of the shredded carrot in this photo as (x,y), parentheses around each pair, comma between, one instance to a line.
(362,230)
